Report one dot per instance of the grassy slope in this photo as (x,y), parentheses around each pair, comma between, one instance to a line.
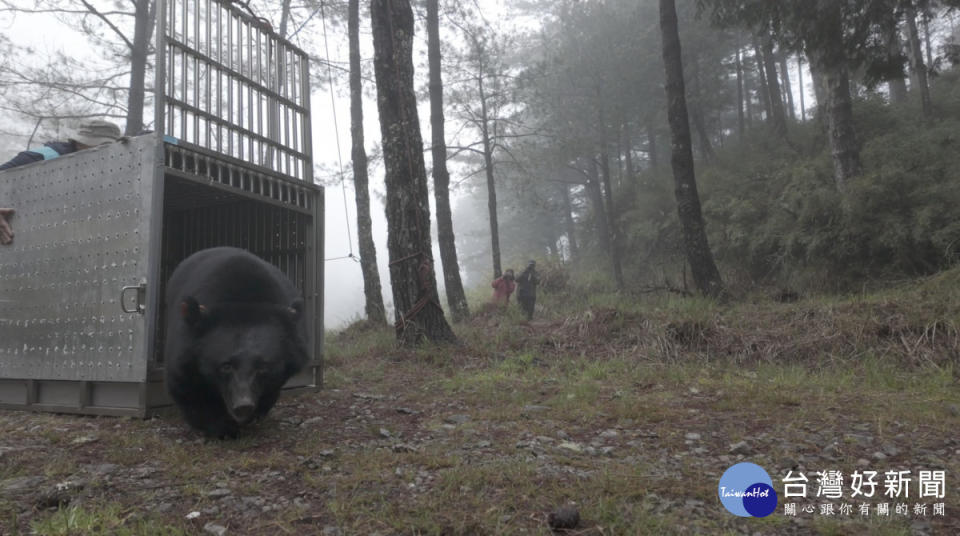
(595,402)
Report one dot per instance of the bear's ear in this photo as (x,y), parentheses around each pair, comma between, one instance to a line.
(295,309)
(192,312)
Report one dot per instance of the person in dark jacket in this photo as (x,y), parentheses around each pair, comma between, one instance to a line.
(527,289)
(87,134)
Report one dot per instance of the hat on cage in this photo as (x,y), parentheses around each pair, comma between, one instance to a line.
(94,132)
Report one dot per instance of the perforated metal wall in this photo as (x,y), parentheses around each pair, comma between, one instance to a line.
(82,227)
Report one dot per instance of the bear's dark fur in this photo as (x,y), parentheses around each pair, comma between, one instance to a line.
(235,333)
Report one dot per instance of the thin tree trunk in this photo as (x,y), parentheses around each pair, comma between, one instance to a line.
(916,61)
(803,110)
(569,223)
(456,298)
(925,17)
(787,86)
(418,312)
(628,154)
(697,110)
(491,183)
(764,86)
(374,308)
(741,125)
(697,249)
(611,217)
(652,155)
(898,86)
(143,27)
(285,18)
(779,117)
(600,213)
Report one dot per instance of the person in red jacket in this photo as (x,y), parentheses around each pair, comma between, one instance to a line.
(503,287)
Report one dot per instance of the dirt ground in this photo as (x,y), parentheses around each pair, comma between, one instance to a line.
(491,440)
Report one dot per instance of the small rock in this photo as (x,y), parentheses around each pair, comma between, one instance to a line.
(953,409)
(609,434)
(368,396)
(544,439)
(325,453)
(163,507)
(456,419)
(384,433)
(692,436)
(405,411)
(562,435)
(863,462)
(84,440)
(312,421)
(592,451)
(879,456)
(213,528)
(571,446)
(192,515)
(403,447)
(891,450)
(331,530)
(606,451)
(483,444)
(831,451)
(740,447)
(219,493)
(564,518)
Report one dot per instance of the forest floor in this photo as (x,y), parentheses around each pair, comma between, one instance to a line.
(631,408)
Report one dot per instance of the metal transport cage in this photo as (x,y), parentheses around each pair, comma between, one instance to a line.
(99,231)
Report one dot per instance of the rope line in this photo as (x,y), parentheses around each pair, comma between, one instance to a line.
(336,128)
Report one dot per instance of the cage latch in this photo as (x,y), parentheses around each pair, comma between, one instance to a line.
(132,298)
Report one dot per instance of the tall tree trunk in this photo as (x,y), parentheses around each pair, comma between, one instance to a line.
(779,117)
(456,298)
(787,86)
(697,249)
(145,11)
(764,86)
(596,198)
(285,18)
(819,88)
(925,16)
(916,60)
(368,251)
(741,125)
(628,154)
(831,64)
(652,155)
(568,222)
(803,110)
(611,217)
(697,110)
(491,183)
(898,86)
(418,312)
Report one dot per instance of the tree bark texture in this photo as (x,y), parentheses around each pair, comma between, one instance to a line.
(614,240)
(831,63)
(596,198)
(778,115)
(787,86)
(803,110)
(705,273)
(569,223)
(699,123)
(368,251)
(898,86)
(418,311)
(456,298)
(145,11)
(917,65)
(491,183)
(741,125)
(764,88)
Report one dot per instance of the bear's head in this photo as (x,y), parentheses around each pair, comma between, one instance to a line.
(246,352)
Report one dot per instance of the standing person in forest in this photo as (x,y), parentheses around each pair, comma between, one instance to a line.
(503,287)
(527,289)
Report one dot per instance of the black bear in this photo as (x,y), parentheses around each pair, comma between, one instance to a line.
(235,333)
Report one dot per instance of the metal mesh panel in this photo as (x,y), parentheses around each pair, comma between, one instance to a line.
(228,83)
(82,226)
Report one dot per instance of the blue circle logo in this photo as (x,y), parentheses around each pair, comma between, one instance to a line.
(746,490)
